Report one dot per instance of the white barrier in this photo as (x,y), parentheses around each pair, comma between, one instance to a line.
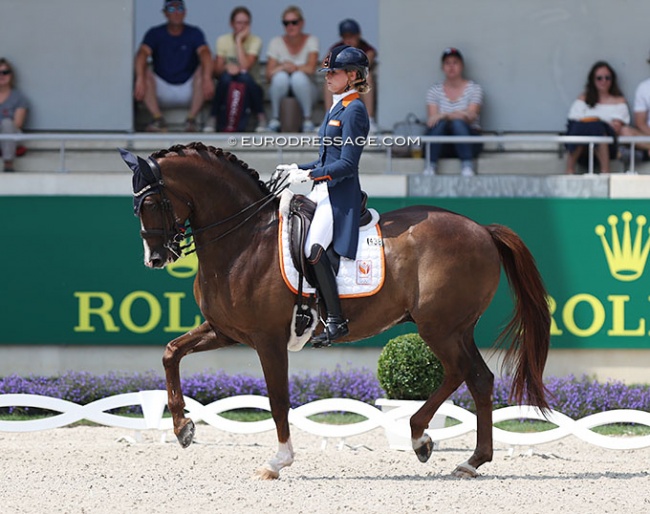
(153,405)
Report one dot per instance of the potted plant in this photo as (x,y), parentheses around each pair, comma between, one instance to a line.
(408,372)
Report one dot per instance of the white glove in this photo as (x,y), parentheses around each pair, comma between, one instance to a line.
(284,169)
(298,176)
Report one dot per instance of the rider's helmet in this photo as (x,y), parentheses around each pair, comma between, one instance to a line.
(347,58)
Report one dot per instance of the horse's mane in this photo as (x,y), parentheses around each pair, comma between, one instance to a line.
(210,153)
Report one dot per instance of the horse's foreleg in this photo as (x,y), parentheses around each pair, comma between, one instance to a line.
(200,339)
(480,382)
(275,364)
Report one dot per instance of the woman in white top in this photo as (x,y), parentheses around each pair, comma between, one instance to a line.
(453,110)
(600,111)
(291,64)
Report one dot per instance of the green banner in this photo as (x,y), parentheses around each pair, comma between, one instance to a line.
(74,271)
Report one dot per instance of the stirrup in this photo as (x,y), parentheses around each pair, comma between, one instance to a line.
(335,328)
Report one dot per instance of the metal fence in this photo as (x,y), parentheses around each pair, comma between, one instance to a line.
(279,142)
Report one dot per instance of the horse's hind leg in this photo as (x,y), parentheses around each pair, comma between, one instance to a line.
(200,339)
(480,382)
(453,360)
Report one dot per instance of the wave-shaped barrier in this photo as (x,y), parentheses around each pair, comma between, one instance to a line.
(153,405)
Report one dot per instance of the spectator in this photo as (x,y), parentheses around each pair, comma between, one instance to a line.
(182,68)
(350,33)
(235,60)
(641,122)
(290,67)
(454,107)
(599,111)
(13,112)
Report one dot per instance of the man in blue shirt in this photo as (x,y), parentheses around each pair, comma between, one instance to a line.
(182,68)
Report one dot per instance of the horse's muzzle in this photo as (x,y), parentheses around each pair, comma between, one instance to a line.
(160,258)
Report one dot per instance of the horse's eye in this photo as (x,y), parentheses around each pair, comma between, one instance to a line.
(150,206)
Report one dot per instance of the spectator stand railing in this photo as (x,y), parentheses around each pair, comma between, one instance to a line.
(502,140)
(231,141)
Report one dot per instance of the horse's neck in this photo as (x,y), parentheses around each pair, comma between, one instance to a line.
(226,230)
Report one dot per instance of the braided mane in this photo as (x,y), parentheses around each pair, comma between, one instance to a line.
(209,153)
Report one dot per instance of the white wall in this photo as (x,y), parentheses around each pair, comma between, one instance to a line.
(531,56)
(73,61)
(74,58)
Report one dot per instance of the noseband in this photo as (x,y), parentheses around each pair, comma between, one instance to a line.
(172,238)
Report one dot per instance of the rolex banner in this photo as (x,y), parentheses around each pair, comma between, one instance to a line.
(74,271)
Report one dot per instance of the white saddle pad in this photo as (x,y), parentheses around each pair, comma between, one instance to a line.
(362,276)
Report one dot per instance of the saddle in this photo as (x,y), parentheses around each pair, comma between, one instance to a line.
(301,213)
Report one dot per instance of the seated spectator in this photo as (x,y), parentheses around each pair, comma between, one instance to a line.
(13,112)
(235,60)
(600,110)
(182,68)
(290,68)
(454,106)
(641,122)
(350,33)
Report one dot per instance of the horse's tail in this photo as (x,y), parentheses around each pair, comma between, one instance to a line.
(529,329)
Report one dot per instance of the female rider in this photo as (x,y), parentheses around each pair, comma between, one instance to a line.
(335,174)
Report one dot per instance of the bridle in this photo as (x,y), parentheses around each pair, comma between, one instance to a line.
(182,230)
(172,238)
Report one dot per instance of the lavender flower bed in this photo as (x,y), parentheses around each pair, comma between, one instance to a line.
(574,396)
(205,387)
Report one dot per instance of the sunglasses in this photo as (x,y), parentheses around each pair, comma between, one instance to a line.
(5,72)
(173,9)
(286,23)
(603,77)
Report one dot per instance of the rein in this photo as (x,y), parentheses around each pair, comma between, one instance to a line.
(264,201)
(275,185)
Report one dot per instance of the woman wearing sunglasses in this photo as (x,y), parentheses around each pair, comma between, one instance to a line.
(13,111)
(600,110)
(290,67)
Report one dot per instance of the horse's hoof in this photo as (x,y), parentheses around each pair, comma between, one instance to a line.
(266,474)
(424,451)
(185,435)
(465,470)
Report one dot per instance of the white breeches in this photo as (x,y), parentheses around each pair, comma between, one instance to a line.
(322,226)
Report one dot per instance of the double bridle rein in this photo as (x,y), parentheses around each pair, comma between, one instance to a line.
(183,229)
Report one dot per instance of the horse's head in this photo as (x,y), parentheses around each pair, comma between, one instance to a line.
(162,230)
(202,185)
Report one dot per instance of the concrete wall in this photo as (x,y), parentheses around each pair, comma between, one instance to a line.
(75,57)
(629,366)
(532,57)
(73,61)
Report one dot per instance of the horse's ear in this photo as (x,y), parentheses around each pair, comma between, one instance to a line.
(130,159)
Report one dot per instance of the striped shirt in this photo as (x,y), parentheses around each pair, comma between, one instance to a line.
(473,94)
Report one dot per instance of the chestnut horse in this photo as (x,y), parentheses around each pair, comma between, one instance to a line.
(442,270)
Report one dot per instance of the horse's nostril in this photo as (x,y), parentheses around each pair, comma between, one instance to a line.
(156,262)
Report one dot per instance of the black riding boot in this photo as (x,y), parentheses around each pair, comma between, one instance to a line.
(336,326)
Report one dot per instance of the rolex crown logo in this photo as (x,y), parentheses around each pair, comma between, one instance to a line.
(626,258)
